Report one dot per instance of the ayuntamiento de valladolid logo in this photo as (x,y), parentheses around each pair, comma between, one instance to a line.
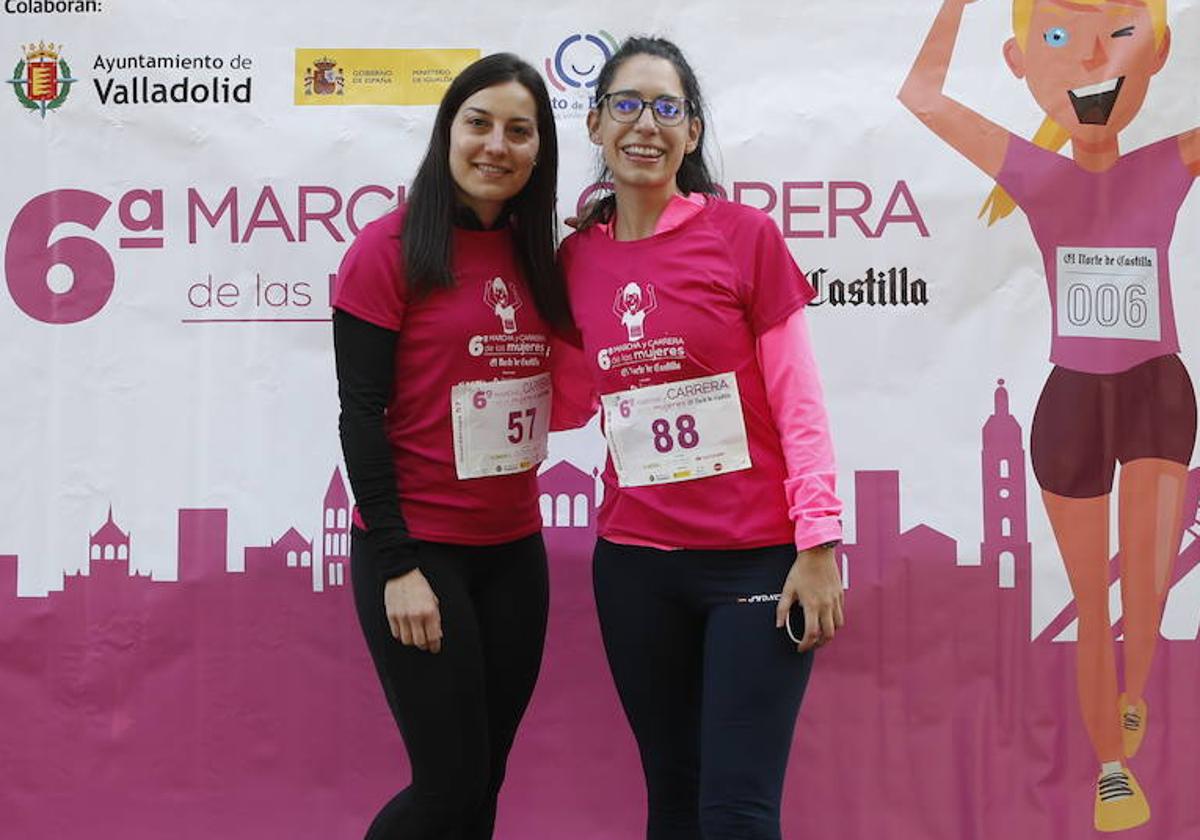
(42,78)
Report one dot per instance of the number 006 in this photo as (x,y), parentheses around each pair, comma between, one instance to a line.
(1106,306)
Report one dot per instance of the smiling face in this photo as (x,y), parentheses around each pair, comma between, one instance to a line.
(1089,65)
(644,154)
(493,147)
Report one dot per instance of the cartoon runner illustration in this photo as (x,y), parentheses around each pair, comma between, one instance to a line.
(628,307)
(503,302)
(1118,391)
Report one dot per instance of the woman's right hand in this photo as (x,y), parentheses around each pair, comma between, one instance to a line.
(412,611)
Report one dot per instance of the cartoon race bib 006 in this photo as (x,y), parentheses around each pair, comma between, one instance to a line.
(500,427)
(679,431)
(1108,293)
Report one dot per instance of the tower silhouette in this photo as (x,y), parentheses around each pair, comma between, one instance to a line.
(109,543)
(567,496)
(335,545)
(1005,547)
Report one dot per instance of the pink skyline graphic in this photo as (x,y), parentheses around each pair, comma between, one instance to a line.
(948,720)
(244,705)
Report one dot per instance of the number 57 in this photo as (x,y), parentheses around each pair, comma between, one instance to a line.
(518,432)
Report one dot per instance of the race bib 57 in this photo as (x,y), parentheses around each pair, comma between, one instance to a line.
(500,426)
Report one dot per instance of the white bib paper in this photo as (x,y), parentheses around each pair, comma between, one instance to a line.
(500,427)
(1108,293)
(680,431)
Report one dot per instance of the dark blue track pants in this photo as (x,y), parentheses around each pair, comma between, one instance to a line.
(710,687)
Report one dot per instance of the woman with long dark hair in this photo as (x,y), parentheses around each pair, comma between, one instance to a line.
(719,511)
(442,316)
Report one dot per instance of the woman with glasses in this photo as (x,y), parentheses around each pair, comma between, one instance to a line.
(444,391)
(714,572)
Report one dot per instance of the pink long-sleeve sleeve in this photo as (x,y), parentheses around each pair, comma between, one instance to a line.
(798,406)
(575,400)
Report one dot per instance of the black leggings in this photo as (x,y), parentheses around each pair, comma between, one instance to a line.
(457,710)
(710,687)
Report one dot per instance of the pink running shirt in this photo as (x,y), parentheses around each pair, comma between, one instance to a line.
(478,330)
(708,289)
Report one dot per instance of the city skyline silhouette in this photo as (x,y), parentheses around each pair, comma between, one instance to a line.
(245,701)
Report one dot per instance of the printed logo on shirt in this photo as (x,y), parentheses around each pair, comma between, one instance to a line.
(502,298)
(640,359)
(509,350)
(632,305)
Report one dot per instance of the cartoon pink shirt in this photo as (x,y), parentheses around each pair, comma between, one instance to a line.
(476,331)
(722,278)
(1106,269)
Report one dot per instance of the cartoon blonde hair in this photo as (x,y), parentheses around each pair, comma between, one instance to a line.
(1051,135)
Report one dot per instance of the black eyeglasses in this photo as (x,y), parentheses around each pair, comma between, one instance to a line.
(626,106)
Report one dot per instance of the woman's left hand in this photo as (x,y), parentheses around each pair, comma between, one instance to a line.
(814,582)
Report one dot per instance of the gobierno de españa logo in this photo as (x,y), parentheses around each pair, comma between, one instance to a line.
(42,78)
(324,78)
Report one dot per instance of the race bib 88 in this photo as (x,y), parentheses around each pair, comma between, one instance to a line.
(680,431)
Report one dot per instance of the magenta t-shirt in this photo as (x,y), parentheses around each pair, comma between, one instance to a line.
(688,304)
(1104,238)
(484,328)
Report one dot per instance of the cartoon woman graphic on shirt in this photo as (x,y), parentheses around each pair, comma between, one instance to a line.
(632,310)
(504,302)
(1118,392)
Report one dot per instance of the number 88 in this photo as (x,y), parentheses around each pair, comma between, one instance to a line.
(685,426)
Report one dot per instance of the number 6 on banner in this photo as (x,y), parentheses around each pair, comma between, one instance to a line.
(29,256)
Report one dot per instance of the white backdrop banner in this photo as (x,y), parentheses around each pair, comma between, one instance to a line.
(178,651)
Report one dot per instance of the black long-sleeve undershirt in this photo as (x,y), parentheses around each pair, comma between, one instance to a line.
(365,356)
